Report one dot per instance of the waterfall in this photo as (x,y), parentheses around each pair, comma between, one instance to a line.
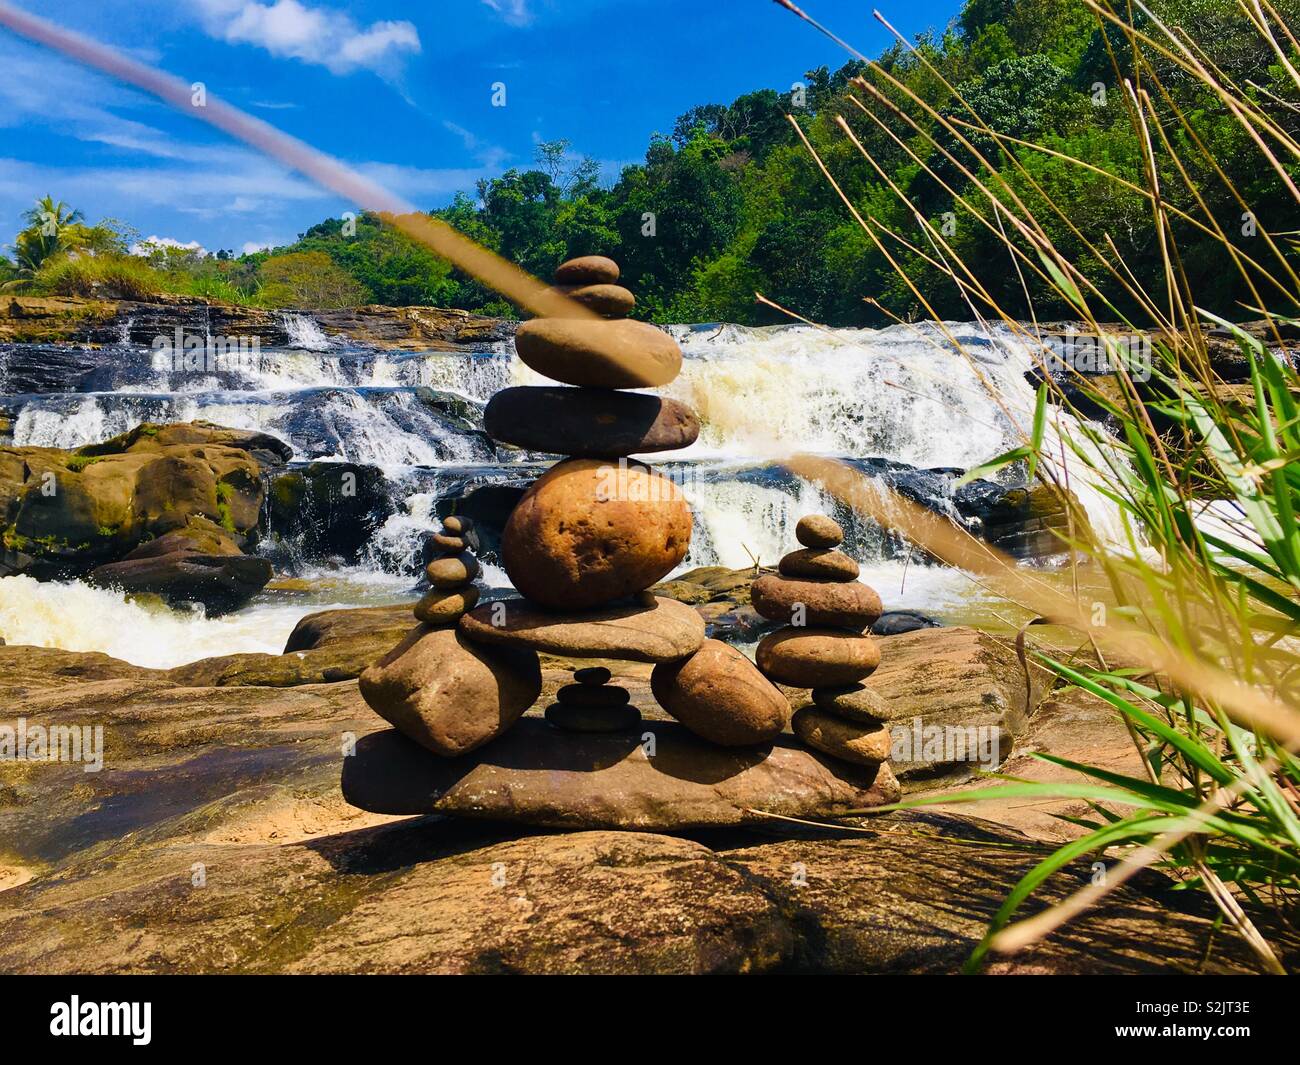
(304,332)
(903,394)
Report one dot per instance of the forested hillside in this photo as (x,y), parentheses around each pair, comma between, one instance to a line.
(729,202)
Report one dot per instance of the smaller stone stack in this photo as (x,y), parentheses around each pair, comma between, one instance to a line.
(825,645)
(451,575)
(592,704)
(442,691)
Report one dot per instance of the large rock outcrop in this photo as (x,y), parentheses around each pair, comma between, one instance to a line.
(217,841)
(165,509)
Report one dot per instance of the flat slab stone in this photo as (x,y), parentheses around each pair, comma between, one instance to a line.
(589,422)
(661,631)
(537,775)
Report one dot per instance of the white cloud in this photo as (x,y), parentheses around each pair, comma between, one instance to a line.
(143,247)
(316,35)
(251,247)
(490,155)
(515,12)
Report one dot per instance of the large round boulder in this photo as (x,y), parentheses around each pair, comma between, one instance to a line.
(448,694)
(590,532)
(719,695)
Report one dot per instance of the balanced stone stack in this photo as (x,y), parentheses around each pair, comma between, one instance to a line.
(593,704)
(824,644)
(451,575)
(582,547)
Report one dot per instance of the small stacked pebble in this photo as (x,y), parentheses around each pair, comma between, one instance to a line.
(451,575)
(824,644)
(592,704)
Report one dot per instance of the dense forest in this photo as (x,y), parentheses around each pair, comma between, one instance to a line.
(730,202)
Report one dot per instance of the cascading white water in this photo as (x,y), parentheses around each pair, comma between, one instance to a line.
(305,333)
(902,393)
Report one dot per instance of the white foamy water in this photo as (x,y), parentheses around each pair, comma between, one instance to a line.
(305,333)
(903,393)
(77,617)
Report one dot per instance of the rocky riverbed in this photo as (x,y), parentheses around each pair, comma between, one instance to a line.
(215,839)
(234,805)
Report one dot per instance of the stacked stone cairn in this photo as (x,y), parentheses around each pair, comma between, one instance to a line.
(583,546)
(824,644)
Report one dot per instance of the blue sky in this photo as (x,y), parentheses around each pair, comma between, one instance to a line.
(401,90)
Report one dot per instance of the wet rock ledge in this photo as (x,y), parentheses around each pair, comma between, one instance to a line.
(69,319)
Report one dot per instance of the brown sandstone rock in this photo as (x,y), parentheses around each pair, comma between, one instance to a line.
(587,270)
(453,572)
(588,532)
(654,630)
(861,744)
(441,607)
(611,301)
(817,530)
(589,422)
(819,564)
(719,695)
(536,775)
(811,658)
(850,605)
(854,702)
(599,354)
(448,694)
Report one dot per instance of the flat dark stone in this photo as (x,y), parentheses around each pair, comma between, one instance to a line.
(589,422)
(537,775)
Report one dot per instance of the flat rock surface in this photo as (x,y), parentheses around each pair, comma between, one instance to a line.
(100,872)
(537,775)
(662,632)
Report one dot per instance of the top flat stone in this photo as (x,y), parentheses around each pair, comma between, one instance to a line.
(653,630)
(599,354)
(587,270)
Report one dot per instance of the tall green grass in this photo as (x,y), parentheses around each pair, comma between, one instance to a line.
(1217,805)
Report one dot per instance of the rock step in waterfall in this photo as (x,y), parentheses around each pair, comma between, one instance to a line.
(583,546)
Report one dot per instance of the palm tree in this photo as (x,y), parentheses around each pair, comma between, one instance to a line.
(47,220)
(50,217)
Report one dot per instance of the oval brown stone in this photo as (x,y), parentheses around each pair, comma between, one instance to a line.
(457,525)
(443,606)
(817,530)
(589,422)
(448,694)
(446,542)
(719,695)
(590,532)
(592,675)
(853,702)
(591,695)
(612,301)
(860,744)
(587,270)
(599,354)
(453,572)
(819,564)
(847,605)
(811,658)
